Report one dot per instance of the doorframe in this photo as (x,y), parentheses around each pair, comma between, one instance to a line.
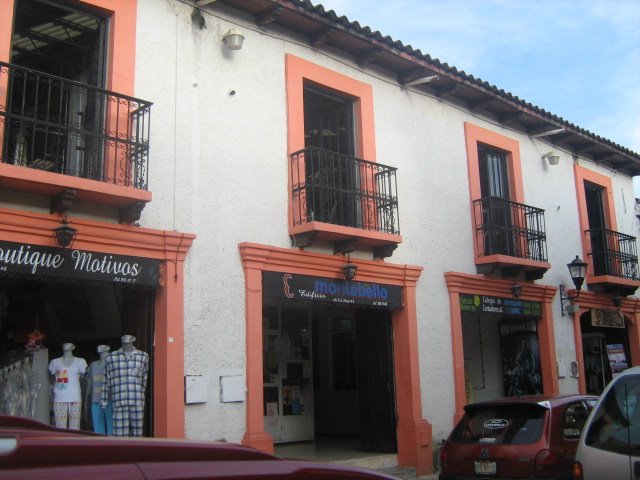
(414,433)
(581,175)
(629,307)
(458,283)
(171,249)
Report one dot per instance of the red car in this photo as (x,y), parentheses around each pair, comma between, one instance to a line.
(517,437)
(32,450)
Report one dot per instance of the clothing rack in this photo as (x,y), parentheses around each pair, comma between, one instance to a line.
(19,387)
(15,365)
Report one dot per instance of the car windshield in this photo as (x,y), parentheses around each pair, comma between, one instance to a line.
(616,422)
(504,424)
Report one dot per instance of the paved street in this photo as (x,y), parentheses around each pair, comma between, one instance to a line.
(406,473)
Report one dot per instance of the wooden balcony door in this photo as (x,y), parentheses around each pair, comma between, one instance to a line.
(597,225)
(60,122)
(496,215)
(329,125)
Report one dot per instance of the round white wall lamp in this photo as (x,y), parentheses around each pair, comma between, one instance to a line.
(233,39)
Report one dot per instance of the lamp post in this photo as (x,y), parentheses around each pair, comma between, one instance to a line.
(577,270)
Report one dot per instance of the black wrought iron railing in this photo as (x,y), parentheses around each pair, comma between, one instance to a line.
(509,228)
(343,190)
(50,123)
(613,253)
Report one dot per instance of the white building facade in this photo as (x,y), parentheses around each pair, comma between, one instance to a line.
(320,145)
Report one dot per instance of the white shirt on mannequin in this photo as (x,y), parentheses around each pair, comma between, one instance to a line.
(66,371)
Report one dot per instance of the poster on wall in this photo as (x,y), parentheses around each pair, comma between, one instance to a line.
(617,358)
(521,371)
(272,413)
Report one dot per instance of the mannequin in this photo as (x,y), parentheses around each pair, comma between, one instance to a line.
(67,401)
(102,418)
(125,380)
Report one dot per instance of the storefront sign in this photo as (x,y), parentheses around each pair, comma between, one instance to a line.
(507,306)
(303,287)
(70,264)
(606,318)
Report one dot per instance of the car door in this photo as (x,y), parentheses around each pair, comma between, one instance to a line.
(610,444)
(106,471)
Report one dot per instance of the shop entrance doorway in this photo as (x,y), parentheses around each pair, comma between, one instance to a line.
(328,377)
(605,347)
(37,317)
(501,356)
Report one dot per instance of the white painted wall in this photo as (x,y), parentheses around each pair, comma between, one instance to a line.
(218,168)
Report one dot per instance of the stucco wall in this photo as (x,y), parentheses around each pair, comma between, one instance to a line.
(218,168)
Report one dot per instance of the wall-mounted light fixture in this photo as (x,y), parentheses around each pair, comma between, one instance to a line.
(617,301)
(349,271)
(577,270)
(233,39)
(552,157)
(515,290)
(65,234)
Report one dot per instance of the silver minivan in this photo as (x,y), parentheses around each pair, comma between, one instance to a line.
(609,446)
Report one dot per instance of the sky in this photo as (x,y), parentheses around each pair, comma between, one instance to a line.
(578,59)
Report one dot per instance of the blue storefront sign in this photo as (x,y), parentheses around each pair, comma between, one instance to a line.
(320,289)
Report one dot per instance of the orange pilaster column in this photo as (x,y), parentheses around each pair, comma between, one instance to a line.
(415,446)
(169,355)
(457,349)
(255,435)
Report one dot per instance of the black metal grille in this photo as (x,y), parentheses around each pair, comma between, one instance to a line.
(613,253)
(342,190)
(50,123)
(503,227)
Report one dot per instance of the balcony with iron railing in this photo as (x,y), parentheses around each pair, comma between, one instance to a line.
(510,236)
(59,135)
(614,261)
(343,199)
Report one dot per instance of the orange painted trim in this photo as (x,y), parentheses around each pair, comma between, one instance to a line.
(477,284)
(121,55)
(122,42)
(577,339)
(331,231)
(169,246)
(506,260)
(630,308)
(582,174)
(475,136)
(40,182)
(121,63)
(297,71)
(413,432)
(6,29)
(611,280)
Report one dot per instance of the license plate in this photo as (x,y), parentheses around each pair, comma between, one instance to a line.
(485,468)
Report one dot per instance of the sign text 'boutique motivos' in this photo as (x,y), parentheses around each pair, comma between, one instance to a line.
(507,306)
(25,259)
(304,287)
